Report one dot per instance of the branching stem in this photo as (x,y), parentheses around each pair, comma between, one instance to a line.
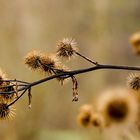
(96,66)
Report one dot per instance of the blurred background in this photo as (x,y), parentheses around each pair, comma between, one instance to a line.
(102,30)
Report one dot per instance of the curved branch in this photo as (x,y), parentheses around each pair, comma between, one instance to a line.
(76,72)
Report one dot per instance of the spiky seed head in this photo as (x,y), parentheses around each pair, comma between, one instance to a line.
(42,62)
(118,106)
(66,48)
(6,112)
(84,116)
(48,63)
(32,60)
(135,42)
(133,81)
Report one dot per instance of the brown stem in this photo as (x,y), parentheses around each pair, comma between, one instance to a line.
(72,73)
(87,59)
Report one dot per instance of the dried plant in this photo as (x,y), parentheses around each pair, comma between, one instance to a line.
(11,90)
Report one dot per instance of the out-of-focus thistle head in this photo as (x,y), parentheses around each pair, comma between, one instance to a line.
(118,107)
(133,81)
(66,48)
(85,115)
(6,112)
(135,42)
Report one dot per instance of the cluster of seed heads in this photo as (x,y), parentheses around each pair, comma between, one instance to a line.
(37,61)
(51,64)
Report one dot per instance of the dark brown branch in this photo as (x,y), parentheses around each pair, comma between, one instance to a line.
(17,98)
(75,72)
(70,74)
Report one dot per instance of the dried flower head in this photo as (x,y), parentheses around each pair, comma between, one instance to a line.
(49,63)
(66,48)
(39,61)
(135,42)
(6,112)
(32,59)
(133,81)
(84,116)
(118,106)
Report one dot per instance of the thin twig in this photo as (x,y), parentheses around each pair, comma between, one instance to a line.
(70,74)
(87,59)
(17,98)
(75,72)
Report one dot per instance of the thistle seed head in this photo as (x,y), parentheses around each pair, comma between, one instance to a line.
(42,62)
(49,63)
(6,112)
(66,48)
(32,60)
(133,81)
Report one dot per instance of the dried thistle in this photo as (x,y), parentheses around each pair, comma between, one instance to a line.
(66,48)
(133,81)
(6,112)
(32,60)
(39,61)
(49,63)
(135,42)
